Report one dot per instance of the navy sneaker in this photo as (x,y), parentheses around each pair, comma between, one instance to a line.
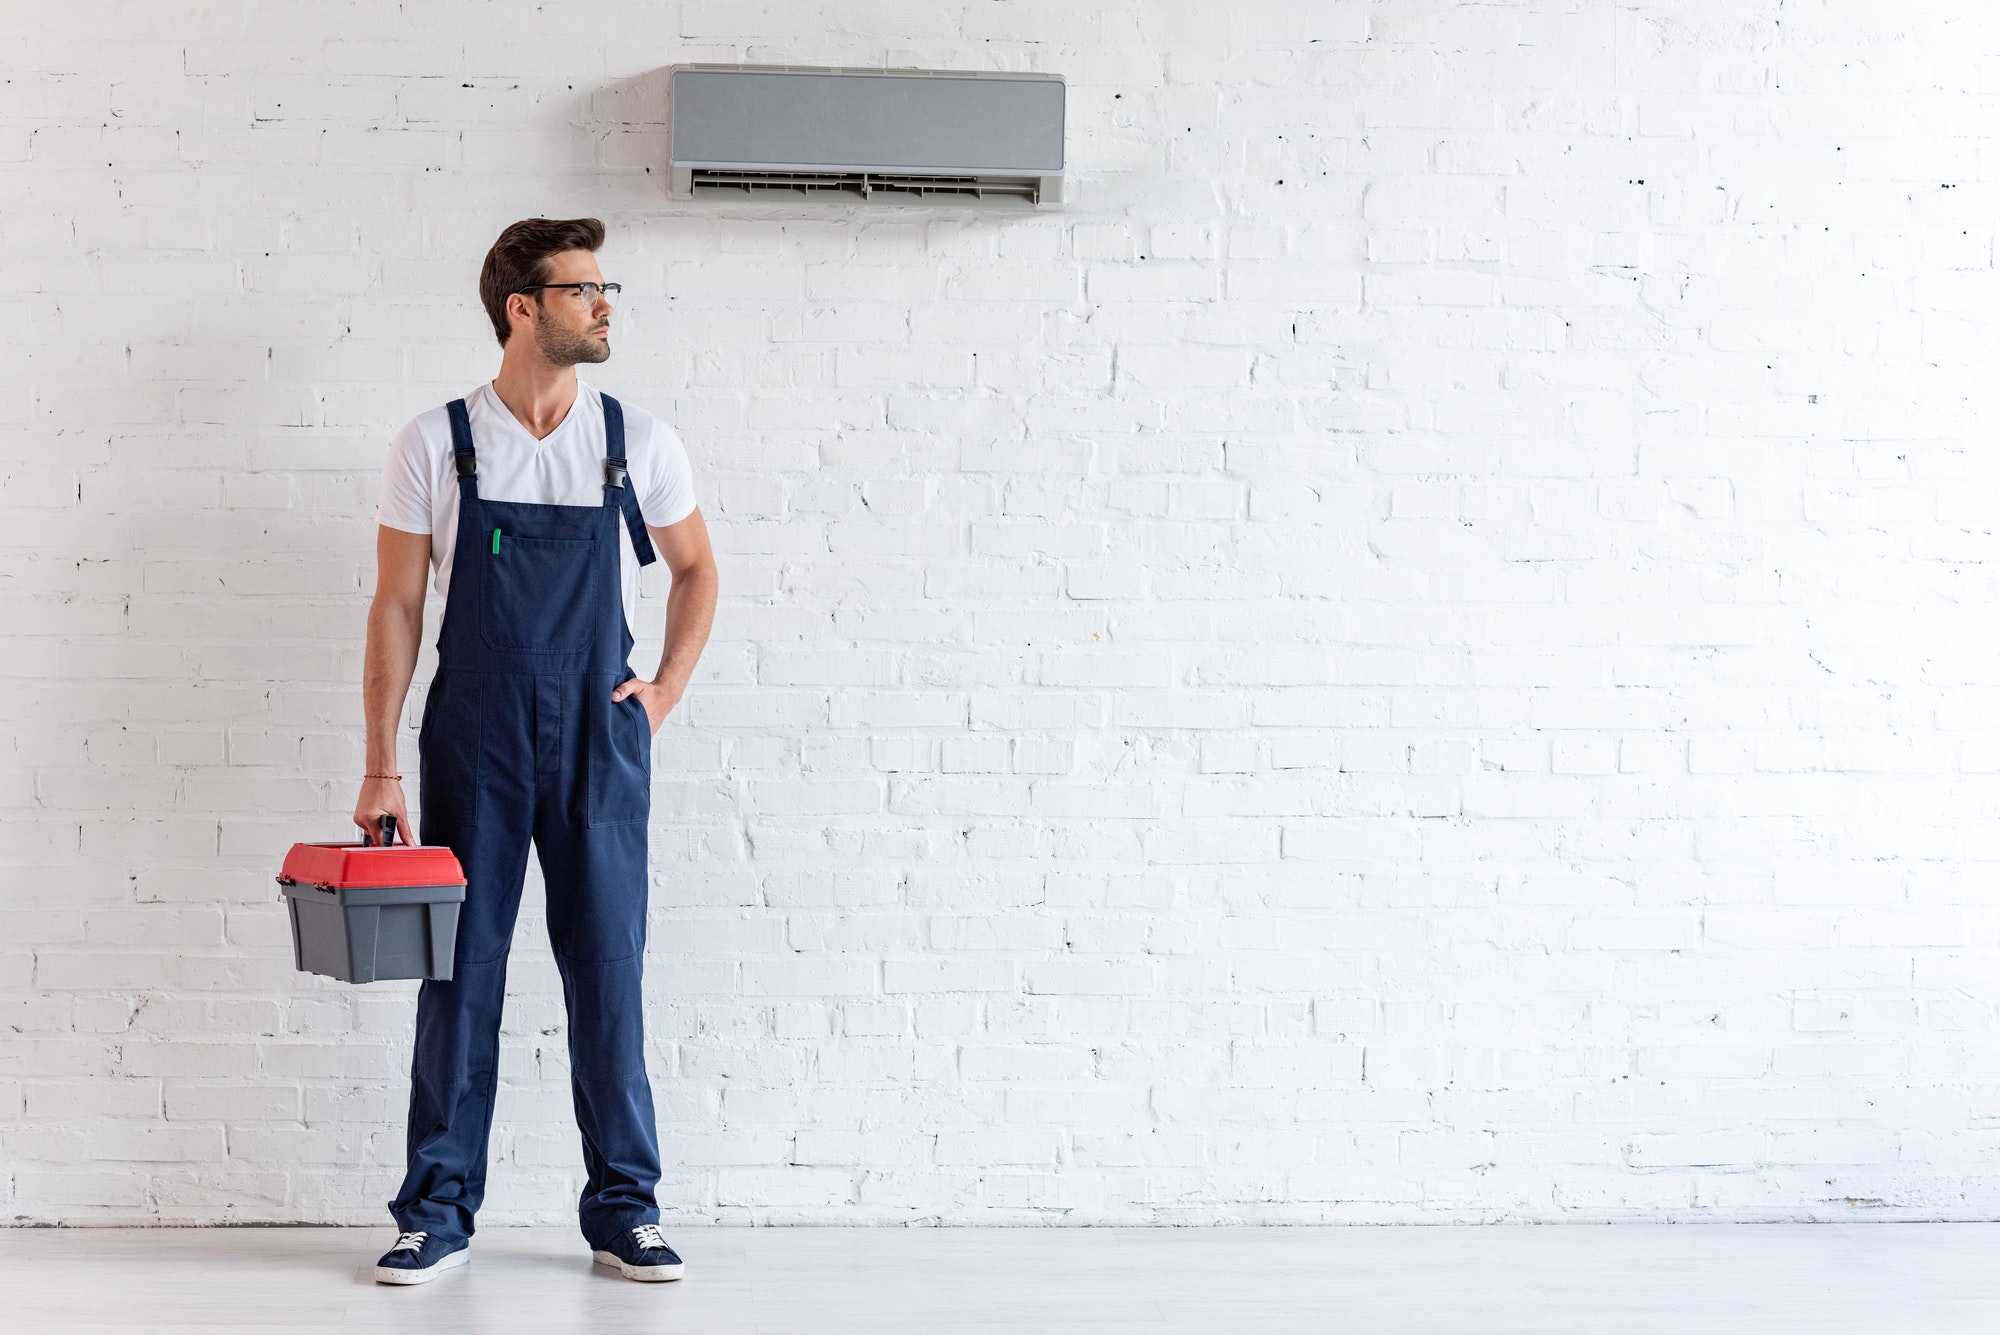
(417,1258)
(640,1253)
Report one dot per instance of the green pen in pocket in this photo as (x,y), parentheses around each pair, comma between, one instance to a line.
(496,542)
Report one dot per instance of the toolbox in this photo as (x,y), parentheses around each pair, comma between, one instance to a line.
(368,911)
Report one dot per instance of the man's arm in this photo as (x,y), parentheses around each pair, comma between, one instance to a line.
(690,612)
(395,626)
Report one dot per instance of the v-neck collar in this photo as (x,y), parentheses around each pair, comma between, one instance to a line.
(521,427)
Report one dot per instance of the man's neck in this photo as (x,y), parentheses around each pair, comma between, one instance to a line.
(538,394)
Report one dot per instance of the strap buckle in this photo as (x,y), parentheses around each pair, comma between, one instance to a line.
(468,464)
(614,474)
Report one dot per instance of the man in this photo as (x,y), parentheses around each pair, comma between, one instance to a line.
(536,498)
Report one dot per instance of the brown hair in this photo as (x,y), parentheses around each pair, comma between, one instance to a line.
(520,258)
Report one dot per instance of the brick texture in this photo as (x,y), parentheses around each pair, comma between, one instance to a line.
(1421,650)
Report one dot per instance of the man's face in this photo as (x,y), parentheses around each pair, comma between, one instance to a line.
(568,329)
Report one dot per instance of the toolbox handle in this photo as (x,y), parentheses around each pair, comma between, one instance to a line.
(388,832)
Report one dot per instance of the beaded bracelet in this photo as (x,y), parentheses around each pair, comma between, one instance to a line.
(397,777)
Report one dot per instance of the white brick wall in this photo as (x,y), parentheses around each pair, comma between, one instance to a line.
(1423,650)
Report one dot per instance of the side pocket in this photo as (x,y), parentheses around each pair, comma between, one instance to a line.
(449,745)
(621,757)
(430,707)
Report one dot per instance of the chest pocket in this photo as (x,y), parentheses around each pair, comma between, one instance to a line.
(535,594)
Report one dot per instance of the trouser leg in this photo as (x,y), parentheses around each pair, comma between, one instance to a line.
(596,877)
(454,1072)
(454,1064)
(613,1098)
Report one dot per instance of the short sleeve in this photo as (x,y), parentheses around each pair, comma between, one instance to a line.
(667,496)
(406,483)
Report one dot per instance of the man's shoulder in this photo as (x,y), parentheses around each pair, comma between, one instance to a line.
(429,430)
(643,428)
(635,413)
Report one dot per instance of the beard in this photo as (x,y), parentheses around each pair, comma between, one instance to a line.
(565,347)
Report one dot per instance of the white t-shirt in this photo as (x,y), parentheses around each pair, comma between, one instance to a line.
(565,467)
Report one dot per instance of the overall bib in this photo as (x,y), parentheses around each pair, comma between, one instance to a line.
(521,738)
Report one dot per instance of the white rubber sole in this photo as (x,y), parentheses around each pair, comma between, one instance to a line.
(645,1272)
(390,1275)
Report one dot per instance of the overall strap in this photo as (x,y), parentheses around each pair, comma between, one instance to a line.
(614,480)
(462,451)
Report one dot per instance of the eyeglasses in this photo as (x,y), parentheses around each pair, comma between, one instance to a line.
(588,291)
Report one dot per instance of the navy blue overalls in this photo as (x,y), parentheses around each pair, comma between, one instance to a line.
(521,738)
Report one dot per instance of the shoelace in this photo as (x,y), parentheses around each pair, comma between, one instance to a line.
(649,1238)
(409,1242)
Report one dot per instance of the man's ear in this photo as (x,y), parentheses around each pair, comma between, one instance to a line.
(521,297)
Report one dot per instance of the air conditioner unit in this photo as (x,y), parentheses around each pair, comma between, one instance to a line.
(921,136)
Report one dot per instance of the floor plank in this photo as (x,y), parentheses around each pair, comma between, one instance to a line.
(1717,1279)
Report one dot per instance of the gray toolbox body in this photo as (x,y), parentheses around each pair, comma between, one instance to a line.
(362,933)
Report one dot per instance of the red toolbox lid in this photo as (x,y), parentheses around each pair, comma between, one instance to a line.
(346,865)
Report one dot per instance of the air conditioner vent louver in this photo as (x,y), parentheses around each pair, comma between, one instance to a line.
(720,180)
(914,135)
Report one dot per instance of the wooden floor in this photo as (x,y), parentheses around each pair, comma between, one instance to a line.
(1708,1279)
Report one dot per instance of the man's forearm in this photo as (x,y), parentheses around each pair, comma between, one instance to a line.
(390,662)
(690,613)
